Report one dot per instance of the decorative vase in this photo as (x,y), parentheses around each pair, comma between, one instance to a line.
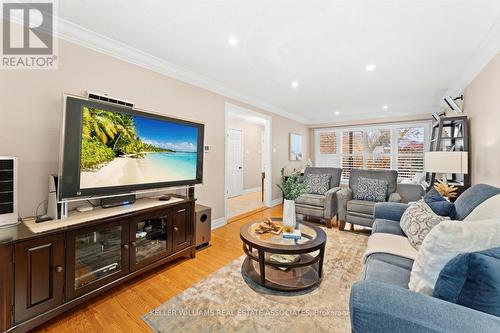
(289,219)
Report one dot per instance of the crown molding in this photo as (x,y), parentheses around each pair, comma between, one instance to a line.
(417,113)
(79,35)
(486,50)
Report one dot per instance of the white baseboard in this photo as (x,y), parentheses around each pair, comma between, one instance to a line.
(251,190)
(275,202)
(217,223)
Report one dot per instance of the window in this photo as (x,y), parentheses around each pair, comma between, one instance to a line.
(328,143)
(378,148)
(352,151)
(399,147)
(411,145)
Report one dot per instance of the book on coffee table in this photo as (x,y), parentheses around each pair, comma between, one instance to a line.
(292,235)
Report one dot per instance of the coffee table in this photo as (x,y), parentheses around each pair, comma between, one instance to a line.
(263,270)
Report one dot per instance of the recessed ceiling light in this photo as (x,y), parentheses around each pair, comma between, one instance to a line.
(337,113)
(233,41)
(294,84)
(385,107)
(370,67)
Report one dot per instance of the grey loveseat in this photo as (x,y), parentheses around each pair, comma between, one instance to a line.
(321,206)
(360,212)
(381,301)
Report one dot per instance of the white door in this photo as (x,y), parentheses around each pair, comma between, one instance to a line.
(235,162)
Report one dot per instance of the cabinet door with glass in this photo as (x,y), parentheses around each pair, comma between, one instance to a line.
(151,239)
(96,256)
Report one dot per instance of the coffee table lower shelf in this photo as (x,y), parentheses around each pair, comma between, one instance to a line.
(293,279)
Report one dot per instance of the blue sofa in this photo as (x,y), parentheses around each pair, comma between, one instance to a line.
(381,300)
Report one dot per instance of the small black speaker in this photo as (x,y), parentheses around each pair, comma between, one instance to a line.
(8,191)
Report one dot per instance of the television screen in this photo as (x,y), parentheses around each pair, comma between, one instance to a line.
(119,150)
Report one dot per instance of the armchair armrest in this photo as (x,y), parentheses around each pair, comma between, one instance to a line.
(331,203)
(381,307)
(389,210)
(410,192)
(343,196)
(394,197)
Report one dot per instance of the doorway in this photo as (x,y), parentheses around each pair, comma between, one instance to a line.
(248,161)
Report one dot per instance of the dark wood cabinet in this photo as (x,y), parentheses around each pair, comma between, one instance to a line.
(50,272)
(150,239)
(96,256)
(181,228)
(38,276)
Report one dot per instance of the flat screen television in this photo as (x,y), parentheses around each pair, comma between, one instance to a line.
(111,149)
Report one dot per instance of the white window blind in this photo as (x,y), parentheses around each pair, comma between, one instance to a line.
(378,148)
(411,145)
(398,147)
(352,151)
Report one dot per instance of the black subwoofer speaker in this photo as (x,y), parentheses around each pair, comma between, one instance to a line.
(203,220)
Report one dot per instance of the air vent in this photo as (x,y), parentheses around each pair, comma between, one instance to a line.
(109,99)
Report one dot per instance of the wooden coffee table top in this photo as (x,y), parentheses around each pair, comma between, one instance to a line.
(313,238)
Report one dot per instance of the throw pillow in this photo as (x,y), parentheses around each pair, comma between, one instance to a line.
(444,242)
(370,189)
(417,221)
(472,280)
(488,209)
(317,183)
(438,204)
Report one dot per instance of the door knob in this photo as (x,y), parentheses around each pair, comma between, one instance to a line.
(59,269)
(125,246)
(176,229)
(240,167)
(133,244)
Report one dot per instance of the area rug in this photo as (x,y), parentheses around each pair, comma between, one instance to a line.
(226,302)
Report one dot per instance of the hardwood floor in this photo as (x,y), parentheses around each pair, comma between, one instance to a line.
(121,309)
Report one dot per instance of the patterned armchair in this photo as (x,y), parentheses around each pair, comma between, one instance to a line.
(321,206)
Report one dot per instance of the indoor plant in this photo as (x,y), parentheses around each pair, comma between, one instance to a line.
(292,188)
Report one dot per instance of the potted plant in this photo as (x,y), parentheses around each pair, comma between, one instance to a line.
(292,188)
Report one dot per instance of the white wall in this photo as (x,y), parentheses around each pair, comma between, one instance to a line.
(30,112)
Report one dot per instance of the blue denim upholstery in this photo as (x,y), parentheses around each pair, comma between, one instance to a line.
(387,227)
(390,210)
(471,198)
(378,307)
(472,280)
(381,301)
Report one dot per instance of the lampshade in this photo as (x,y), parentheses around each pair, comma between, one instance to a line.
(446,162)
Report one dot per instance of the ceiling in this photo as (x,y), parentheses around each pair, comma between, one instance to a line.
(421,49)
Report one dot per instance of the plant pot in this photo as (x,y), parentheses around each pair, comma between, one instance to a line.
(289,218)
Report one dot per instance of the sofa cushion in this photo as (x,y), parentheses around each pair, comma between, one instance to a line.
(471,198)
(370,189)
(444,242)
(380,271)
(417,221)
(317,183)
(361,206)
(472,280)
(392,259)
(438,203)
(488,209)
(387,227)
(311,199)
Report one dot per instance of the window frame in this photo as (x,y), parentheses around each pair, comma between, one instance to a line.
(336,159)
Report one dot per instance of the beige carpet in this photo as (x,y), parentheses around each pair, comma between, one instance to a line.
(225,302)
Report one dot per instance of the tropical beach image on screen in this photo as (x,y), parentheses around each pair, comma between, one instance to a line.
(122,149)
